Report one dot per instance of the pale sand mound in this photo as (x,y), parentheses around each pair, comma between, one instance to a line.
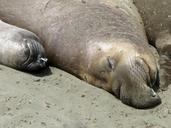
(60,100)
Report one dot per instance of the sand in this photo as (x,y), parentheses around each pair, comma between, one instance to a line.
(56,99)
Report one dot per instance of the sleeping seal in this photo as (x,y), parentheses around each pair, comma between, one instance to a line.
(100,41)
(20,49)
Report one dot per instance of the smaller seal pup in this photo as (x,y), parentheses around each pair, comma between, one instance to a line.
(20,49)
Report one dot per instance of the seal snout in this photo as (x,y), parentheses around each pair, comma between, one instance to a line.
(39,64)
(36,58)
(155,97)
(151,101)
(142,100)
(42,61)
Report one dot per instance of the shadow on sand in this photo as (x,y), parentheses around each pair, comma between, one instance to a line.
(41,73)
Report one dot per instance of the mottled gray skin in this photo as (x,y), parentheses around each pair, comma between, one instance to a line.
(156,15)
(20,49)
(100,41)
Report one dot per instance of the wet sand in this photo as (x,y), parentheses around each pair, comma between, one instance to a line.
(56,99)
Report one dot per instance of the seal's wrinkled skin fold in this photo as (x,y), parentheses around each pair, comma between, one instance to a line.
(100,41)
(20,48)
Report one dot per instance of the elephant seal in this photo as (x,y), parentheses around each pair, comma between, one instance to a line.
(20,49)
(156,15)
(100,41)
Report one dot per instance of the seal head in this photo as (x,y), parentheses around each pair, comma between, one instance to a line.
(135,79)
(20,48)
(130,72)
(137,86)
(35,56)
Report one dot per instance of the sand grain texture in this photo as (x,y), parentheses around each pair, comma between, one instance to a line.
(56,99)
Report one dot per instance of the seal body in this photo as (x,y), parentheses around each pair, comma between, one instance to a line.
(100,41)
(20,49)
(156,15)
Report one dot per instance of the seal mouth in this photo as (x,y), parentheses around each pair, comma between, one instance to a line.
(36,59)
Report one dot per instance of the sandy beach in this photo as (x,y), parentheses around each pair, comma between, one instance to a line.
(55,99)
